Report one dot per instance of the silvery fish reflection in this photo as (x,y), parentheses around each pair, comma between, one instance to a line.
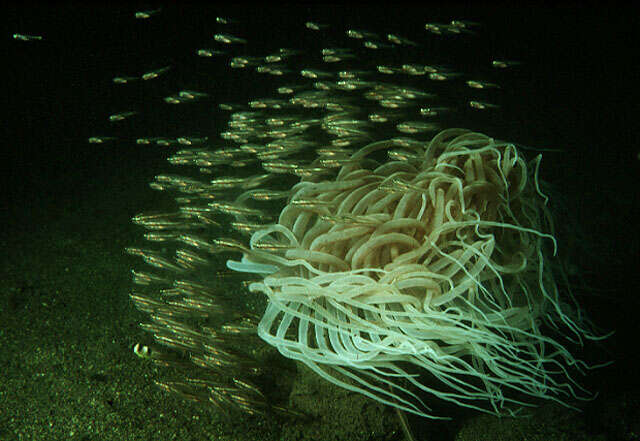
(345,218)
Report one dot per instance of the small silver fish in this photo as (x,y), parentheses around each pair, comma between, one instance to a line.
(315,26)
(155,73)
(121,116)
(100,139)
(503,64)
(25,37)
(208,53)
(226,20)
(228,39)
(400,40)
(482,105)
(475,84)
(124,80)
(143,15)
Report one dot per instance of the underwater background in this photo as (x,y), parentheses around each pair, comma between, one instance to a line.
(67,325)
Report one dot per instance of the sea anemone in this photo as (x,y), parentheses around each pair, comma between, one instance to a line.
(438,260)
